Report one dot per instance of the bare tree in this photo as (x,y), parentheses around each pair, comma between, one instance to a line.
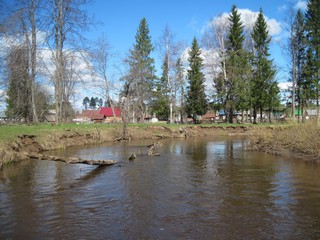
(67,22)
(22,24)
(214,40)
(289,49)
(100,60)
(170,49)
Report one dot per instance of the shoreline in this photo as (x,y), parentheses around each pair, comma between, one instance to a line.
(25,144)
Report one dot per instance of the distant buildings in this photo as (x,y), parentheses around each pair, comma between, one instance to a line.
(102,115)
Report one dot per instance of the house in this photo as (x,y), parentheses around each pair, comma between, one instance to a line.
(111,116)
(102,115)
(93,115)
(311,113)
(50,117)
(209,117)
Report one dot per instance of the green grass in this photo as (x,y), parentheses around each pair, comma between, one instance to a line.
(9,133)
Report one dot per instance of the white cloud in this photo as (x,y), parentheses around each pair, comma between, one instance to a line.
(282,8)
(284,85)
(248,18)
(83,76)
(301,5)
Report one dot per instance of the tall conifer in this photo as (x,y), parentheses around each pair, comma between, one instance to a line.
(313,41)
(233,84)
(264,88)
(140,80)
(196,98)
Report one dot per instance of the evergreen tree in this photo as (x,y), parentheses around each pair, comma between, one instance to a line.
(313,41)
(196,98)
(232,86)
(18,93)
(265,90)
(160,105)
(298,47)
(92,103)
(141,76)
(308,85)
(86,103)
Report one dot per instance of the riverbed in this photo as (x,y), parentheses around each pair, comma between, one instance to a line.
(208,188)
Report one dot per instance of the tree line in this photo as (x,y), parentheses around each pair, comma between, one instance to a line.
(303,51)
(242,78)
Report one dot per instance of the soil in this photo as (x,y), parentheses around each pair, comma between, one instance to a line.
(25,145)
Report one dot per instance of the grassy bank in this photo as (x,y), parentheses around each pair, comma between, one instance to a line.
(16,141)
(9,133)
(299,139)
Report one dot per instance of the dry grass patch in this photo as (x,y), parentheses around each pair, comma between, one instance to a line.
(300,138)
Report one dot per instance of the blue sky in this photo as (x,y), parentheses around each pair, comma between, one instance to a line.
(186,19)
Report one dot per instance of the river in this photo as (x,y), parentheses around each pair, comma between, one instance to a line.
(195,189)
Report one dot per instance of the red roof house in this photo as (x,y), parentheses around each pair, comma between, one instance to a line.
(107,112)
(103,114)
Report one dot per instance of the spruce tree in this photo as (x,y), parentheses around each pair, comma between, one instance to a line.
(93,103)
(86,103)
(233,85)
(141,76)
(299,57)
(160,103)
(264,89)
(196,98)
(313,41)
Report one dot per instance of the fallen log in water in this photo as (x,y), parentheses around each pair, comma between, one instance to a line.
(71,160)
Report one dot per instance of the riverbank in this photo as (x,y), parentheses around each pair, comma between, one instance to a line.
(17,142)
(297,140)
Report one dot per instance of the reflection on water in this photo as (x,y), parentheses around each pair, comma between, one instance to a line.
(196,189)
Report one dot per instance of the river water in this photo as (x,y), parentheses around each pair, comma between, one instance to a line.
(195,189)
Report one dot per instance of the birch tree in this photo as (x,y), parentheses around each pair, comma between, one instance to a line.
(169,50)
(100,59)
(67,23)
(21,26)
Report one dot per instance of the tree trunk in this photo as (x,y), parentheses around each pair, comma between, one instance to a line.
(231,115)
(33,60)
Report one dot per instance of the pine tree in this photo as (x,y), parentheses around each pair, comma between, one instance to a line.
(141,77)
(86,102)
(93,103)
(235,36)
(265,91)
(196,98)
(160,104)
(232,86)
(308,85)
(298,47)
(313,42)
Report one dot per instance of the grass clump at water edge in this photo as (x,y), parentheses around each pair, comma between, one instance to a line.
(298,138)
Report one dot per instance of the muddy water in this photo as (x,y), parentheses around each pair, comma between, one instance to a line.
(196,189)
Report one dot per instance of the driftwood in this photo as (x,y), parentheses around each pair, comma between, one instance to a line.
(150,152)
(71,160)
(152,147)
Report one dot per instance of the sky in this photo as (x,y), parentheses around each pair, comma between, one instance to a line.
(186,19)
(119,21)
